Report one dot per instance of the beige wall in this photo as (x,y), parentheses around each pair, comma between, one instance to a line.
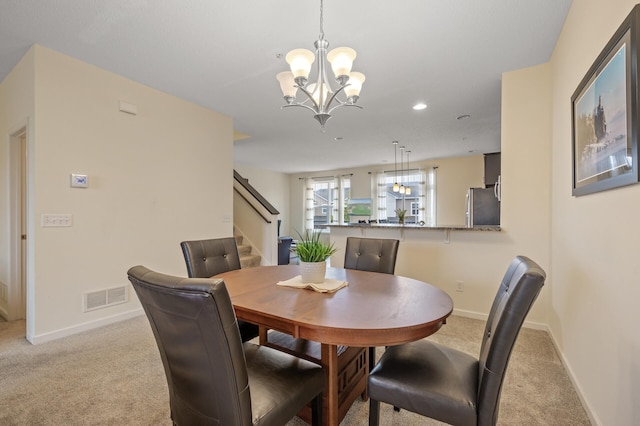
(595,242)
(155,179)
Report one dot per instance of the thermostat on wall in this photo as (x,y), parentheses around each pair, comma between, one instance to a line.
(79,181)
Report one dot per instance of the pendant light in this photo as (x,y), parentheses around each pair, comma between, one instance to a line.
(407,190)
(396,187)
(402,189)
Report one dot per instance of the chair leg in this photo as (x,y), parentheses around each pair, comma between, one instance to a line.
(316,410)
(374,412)
(372,358)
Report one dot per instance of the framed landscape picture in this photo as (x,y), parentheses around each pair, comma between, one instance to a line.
(604,110)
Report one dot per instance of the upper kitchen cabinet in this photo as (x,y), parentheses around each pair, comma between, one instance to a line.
(491,169)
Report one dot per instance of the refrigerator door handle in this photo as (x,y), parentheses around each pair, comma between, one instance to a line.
(497,188)
(469,217)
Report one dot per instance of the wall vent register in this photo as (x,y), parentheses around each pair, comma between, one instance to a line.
(104,298)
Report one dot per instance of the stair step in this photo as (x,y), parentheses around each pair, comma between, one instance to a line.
(249,261)
(244,250)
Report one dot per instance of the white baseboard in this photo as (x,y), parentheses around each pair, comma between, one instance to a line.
(57,334)
(593,418)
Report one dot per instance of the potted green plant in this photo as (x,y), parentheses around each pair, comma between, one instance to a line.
(401,213)
(313,254)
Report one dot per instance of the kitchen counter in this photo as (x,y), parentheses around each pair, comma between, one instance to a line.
(414,227)
(416,241)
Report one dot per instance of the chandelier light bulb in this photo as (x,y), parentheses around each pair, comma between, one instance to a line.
(300,61)
(354,85)
(402,189)
(396,187)
(287,85)
(341,60)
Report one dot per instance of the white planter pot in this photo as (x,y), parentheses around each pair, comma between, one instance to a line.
(313,272)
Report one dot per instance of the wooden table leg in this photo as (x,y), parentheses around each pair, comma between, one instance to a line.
(330,399)
(262,335)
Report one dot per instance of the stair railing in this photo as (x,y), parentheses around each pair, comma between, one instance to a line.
(256,218)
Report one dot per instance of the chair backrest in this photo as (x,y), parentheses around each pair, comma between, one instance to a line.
(196,332)
(371,254)
(518,290)
(206,258)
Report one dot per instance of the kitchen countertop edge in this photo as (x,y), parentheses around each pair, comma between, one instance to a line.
(490,228)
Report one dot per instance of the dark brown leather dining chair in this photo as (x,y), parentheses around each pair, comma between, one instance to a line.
(373,255)
(206,258)
(214,378)
(451,386)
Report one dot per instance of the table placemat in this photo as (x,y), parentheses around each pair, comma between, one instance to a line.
(328,286)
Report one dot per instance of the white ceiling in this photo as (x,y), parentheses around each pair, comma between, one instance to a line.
(223,54)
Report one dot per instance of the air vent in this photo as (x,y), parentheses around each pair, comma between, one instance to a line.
(104,298)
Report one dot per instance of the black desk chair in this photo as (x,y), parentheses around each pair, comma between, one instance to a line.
(373,255)
(214,378)
(206,258)
(451,386)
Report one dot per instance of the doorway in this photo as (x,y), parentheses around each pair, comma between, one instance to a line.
(17,287)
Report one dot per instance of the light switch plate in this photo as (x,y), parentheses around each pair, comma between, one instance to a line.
(79,181)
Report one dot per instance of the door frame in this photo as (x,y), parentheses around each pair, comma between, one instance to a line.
(18,288)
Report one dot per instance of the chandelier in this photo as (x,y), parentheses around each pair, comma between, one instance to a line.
(321,97)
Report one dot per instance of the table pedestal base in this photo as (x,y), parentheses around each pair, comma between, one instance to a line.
(352,370)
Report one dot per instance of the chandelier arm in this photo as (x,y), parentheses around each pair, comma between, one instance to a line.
(310,96)
(343,105)
(333,96)
(300,105)
(340,103)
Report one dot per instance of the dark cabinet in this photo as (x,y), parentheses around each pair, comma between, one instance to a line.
(491,169)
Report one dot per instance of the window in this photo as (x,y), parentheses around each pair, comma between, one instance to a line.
(419,204)
(414,208)
(325,201)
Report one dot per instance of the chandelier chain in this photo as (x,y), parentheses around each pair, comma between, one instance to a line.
(321,20)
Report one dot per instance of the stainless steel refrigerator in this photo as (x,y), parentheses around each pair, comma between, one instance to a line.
(483,207)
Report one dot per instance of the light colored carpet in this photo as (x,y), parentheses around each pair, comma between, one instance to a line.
(114,376)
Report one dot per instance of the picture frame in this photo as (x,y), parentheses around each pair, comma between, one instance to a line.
(604,114)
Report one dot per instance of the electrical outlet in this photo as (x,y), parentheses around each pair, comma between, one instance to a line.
(57,220)
(459,286)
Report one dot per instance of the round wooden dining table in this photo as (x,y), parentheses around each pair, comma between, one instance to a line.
(374,309)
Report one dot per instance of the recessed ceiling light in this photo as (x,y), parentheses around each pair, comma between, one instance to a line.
(420,106)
